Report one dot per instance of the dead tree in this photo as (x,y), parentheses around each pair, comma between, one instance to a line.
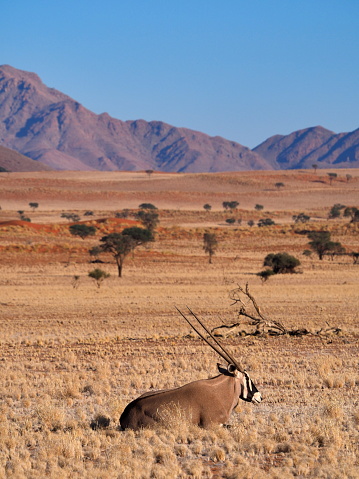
(249,308)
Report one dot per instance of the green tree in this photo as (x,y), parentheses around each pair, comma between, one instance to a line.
(281,263)
(321,243)
(148,218)
(99,276)
(279,185)
(301,218)
(258,207)
(82,230)
(266,222)
(335,211)
(33,206)
(353,213)
(230,221)
(71,217)
(207,207)
(210,244)
(147,206)
(332,177)
(120,245)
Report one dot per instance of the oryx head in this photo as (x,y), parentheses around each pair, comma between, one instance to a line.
(248,391)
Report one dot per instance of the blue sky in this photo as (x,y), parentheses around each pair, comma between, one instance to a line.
(244,70)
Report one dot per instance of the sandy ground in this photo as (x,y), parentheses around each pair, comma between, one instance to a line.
(62,336)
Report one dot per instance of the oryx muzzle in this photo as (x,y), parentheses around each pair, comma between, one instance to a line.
(205,402)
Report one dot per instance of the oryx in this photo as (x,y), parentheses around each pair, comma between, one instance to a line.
(205,402)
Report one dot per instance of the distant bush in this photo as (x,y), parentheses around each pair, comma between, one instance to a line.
(82,230)
(147,206)
(266,222)
(71,217)
(281,263)
(301,218)
(99,276)
(230,221)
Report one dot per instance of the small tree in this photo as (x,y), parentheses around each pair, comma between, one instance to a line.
(279,185)
(335,211)
(120,245)
(230,205)
(301,218)
(207,207)
(281,263)
(258,207)
(332,177)
(33,206)
(210,245)
(315,168)
(82,230)
(148,218)
(125,213)
(250,223)
(71,217)
(353,213)
(266,222)
(149,172)
(265,274)
(230,221)
(321,243)
(147,206)
(99,276)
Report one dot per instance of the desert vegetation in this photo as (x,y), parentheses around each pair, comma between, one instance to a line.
(73,354)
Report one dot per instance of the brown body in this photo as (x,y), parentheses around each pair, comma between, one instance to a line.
(204,403)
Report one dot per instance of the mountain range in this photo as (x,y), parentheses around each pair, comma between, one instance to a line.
(48,126)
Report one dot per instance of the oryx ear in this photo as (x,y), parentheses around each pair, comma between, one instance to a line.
(229,370)
(222,369)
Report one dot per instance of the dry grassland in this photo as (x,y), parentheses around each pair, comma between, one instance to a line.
(72,356)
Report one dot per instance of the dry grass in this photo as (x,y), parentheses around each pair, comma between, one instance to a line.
(72,358)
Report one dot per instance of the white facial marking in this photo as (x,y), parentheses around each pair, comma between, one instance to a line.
(257,398)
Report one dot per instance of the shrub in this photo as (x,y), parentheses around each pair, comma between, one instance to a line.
(266,222)
(230,221)
(82,230)
(322,244)
(301,218)
(281,263)
(147,206)
(98,275)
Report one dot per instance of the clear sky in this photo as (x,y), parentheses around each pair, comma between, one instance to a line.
(241,69)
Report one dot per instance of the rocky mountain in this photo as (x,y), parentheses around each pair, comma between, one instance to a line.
(303,148)
(46,125)
(11,160)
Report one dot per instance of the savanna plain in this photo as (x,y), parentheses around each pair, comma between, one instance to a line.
(73,354)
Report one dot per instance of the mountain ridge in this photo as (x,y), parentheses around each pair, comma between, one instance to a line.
(50,127)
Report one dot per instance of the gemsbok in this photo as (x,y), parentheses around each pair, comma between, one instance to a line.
(205,402)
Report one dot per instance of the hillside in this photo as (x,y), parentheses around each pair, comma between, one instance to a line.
(303,148)
(46,125)
(11,160)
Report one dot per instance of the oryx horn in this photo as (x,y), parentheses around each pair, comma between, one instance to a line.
(224,353)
